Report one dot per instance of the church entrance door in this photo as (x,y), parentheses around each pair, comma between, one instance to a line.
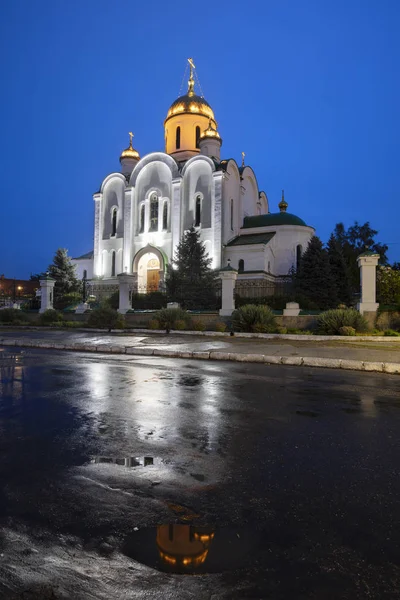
(153,275)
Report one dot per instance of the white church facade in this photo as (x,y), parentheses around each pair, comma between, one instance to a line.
(142,212)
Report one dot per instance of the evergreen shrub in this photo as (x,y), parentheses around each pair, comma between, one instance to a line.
(12,316)
(113,300)
(254,319)
(150,301)
(331,321)
(167,317)
(106,317)
(391,333)
(72,299)
(50,317)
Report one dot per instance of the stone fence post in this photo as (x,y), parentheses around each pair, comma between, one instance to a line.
(47,293)
(367,263)
(228,275)
(126,285)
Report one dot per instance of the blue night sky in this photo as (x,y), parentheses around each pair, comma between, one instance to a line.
(308,89)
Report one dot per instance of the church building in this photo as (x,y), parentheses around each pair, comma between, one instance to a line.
(142,212)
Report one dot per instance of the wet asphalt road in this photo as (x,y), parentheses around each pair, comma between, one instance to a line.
(114,467)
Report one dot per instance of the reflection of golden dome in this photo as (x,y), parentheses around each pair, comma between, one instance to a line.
(130,152)
(210,132)
(183,546)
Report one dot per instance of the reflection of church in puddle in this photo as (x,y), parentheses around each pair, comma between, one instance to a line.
(183,546)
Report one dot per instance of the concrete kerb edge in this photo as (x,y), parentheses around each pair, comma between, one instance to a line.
(306,361)
(238,334)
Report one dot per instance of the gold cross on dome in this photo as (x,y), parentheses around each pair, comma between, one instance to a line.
(243,155)
(131,135)
(191,63)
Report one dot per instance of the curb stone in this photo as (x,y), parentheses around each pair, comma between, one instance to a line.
(306,361)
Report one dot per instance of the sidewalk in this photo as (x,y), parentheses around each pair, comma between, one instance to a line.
(365,355)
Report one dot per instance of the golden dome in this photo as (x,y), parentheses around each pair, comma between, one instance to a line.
(210,132)
(283,204)
(130,152)
(190,103)
(194,105)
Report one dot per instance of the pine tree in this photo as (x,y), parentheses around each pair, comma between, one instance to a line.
(63,271)
(355,240)
(191,281)
(314,279)
(340,270)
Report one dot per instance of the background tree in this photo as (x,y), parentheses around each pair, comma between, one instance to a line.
(63,271)
(192,282)
(340,271)
(355,240)
(388,285)
(314,279)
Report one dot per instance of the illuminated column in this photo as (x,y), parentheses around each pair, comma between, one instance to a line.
(228,275)
(367,263)
(47,293)
(97,226)
(126,284)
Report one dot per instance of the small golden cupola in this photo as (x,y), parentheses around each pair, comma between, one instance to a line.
(129,158)
(283,204)
(210,142)
(187,118)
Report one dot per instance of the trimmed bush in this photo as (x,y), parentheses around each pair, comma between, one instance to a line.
(106,317)
(180,325)
(12,316)
(153,324)
(220,326)
(50,317)
(346,330)
(197,325)
(254,319)
(331,321)
(167,317)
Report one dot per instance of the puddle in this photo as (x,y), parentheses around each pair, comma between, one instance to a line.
(187,549)
(129,461)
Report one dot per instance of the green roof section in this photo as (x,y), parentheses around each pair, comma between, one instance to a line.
(228,268)
(272,220)
(368,253)
(84,256)
(253,238)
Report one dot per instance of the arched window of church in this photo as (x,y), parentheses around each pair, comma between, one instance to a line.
(165,216)
(198,212)
(113,264)
(178,138)
(231,215)
(299,251)
(114,222)
(197,137)
(153,213)
(84,274)
(241,264)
